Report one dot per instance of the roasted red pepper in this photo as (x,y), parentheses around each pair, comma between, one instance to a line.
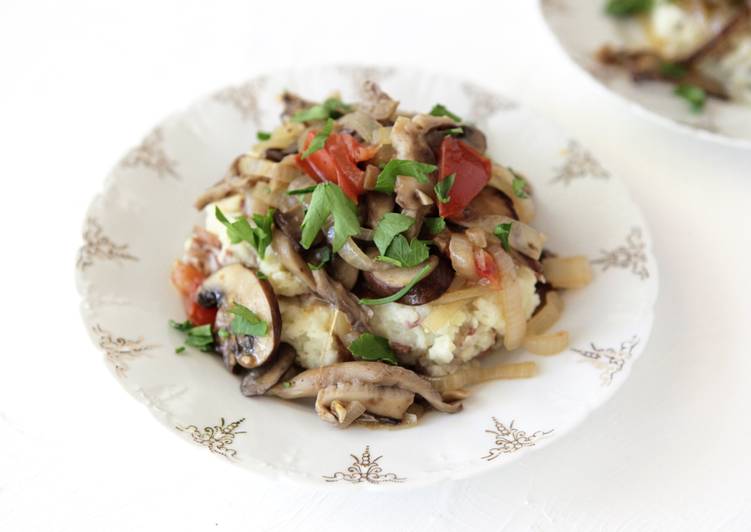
(472,171)
(337,162)
(188,280)
(486,267)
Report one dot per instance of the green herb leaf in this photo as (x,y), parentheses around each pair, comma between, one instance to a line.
(184,326)
(331,108)
(222,333)
(329,199)
(262,276)
(389,260)
(673,70)
(240,230)
(503,231)
(695,96)
(453,132)
(627,8)
(180,349)
(287,384)
(519,185)
(388,227)
(247,322)
(373,348)
(440,110)
(435,225)
(324,254)
(200,337)
(398,295)
(408,254)
(395,167)
(442,188)
(263,135)
(319,141)
(306,190)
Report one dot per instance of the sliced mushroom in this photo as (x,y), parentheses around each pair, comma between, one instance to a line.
(286,249)
(293,104)
(377,103)
(236,284)
(378,205)
(334,293)
(230,184)
(259,380)
(408,141)
(490,201)
(389,281)
(502,179)
(346,399)
(523,237)
(309,382)
(290,223)
(470,134)
(343,272)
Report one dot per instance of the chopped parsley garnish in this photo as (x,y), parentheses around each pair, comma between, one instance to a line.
(199,337)
(503,231)
(241,231)
(442,188)
(328,199)
(627,8)
(398,295)
(306,190)
(673,70)
(440,110)
(247,322)
(435,225)
(518,185)
(319,141)
(263,135)
(373,348)
(395,167)
(454,131)
(324,256)
(406,253)
(695,96)
(388,227)
(262,276)
(331,108)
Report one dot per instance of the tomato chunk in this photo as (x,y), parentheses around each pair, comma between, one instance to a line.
(337,162)
(472,171)
(188,280)
(486,267)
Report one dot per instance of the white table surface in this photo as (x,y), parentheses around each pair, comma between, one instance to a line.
(82,81)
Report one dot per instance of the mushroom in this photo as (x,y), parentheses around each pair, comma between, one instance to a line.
(236,284)
(470,134)
(310,382)
(258,380)
(343,272)
(377,103)
(290,223)
(344,402)
(335,293)
(490,201)
(224,187)
(285,247)
(389,281)
(378,205)
(523,237)
(293,103)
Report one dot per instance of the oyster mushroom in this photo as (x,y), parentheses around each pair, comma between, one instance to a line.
(236,284)
(344,402)
(258,380)
(310,382)
(377,103)
(391,280)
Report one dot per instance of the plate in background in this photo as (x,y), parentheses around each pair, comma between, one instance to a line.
(581,27)
(136,226)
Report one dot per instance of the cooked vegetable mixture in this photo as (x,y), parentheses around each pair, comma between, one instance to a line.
(366,256)
(703,47)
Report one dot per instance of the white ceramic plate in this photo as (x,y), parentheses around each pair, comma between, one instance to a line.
(581,27)
(136,228)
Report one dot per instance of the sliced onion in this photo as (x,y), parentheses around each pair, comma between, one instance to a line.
(547,344)
(547,316)
(523,237)
(365,125)
(462,256)
(477,236)
(281,137)
(502,179)
(354,256)
(475,375)
(462,294)
(511,300)
(567,272)
(249,165)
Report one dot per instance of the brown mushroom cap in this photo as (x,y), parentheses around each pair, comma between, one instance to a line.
(236,284)
(258,380)
(389,281)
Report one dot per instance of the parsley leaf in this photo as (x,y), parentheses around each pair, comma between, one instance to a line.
(263,135)
(184,326)
(373,348)
(503,231)
(398,295)
(247,322)
(673,70)
(324,256)
(389,260)
(262,276)
(442,188)
(395,167)
(306,190)
(408,254)
(435,225)
(199,337)
(440,110)
(332,107)
(695,96)
(319,141)
(388,227)
(240,230)
(328,199)
(518,185)
(180,349)
(627,8)
(453,132)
